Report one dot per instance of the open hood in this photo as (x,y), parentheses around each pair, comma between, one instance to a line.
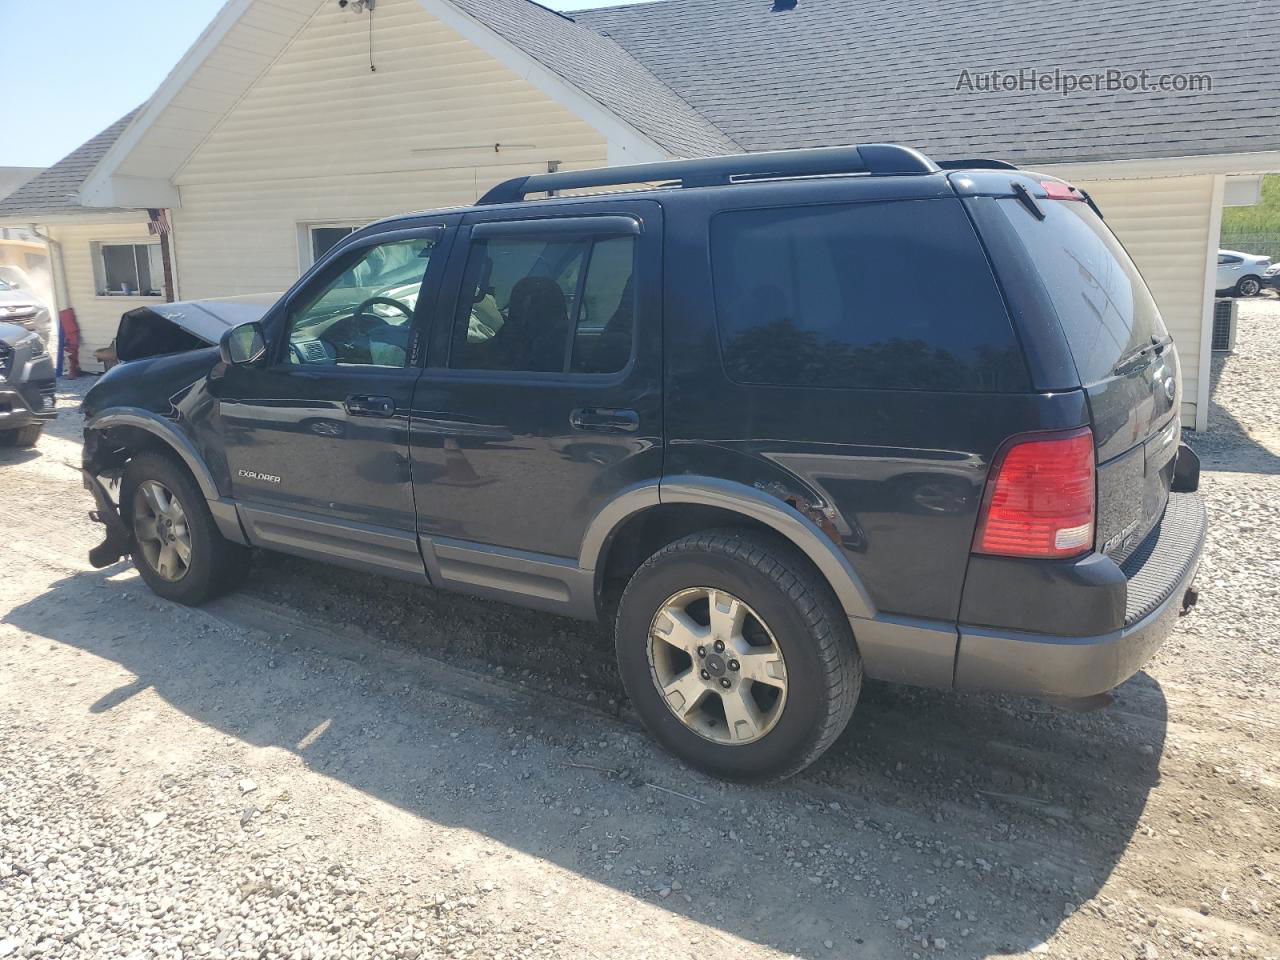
(186,324)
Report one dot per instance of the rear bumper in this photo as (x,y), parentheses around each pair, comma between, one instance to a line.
(1158,579)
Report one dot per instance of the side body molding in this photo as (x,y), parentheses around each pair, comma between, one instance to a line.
(224,511)
(737,498)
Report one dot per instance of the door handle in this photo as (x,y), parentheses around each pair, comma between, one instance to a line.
(604,420)
(362,405)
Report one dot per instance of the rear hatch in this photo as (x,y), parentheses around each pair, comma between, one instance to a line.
(1088,292)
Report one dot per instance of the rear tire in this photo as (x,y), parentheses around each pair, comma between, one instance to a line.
(174,541)
(1248,287)
(27,436)
(783,626)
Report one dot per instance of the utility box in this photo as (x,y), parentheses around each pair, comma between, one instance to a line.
(1225,312)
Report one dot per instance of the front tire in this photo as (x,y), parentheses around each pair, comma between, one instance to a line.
(1248,287)
(176,545)
(736,655)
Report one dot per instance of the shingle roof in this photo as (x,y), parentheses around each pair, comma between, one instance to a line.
(56,190)
(600,68)
(849,71)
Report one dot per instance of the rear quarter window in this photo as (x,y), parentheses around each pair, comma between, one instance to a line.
(1106,311)
(895,295)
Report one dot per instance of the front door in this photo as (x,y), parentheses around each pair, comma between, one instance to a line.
(316,436)
(541,399)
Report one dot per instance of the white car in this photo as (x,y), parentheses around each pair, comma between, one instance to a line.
(1241,273)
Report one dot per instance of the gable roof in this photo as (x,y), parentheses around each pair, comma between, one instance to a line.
(56,189)
(847,71)
(603,70)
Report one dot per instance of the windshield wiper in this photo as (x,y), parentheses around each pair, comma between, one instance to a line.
(1130,361)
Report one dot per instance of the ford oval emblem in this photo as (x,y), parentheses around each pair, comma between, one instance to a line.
(1170,388)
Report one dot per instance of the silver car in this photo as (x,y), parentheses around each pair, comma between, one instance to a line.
(1241,273)
(19,306)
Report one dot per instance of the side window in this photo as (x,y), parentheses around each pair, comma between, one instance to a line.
(550,304)
(894,295)
(1226,259)
(364,315)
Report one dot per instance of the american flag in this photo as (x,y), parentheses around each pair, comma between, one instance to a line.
(159,225)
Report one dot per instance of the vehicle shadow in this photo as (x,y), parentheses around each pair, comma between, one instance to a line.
(982,821)
(15,455)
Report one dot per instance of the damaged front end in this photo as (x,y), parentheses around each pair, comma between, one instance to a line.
(157,399)
(102,472)
(118,543)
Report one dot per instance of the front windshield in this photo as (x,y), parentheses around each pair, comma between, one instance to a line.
(7,286)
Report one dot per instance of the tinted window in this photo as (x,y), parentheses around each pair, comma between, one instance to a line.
(364,314)
(546,305)
(890,295)
(1101,300)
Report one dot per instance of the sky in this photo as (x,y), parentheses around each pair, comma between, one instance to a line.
(86,63)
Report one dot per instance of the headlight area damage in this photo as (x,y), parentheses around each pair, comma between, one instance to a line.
(153,399)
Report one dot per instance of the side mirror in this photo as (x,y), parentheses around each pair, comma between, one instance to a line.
(244,344)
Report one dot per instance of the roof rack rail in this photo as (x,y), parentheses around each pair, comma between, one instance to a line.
(977,163)
(877,159)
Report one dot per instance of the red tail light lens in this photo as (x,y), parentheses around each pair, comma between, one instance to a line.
(1040,498)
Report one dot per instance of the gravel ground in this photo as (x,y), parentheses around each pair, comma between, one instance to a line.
(330,765)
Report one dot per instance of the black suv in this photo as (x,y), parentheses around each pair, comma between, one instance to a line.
(785,419)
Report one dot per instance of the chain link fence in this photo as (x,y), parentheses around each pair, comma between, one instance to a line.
(1259,244)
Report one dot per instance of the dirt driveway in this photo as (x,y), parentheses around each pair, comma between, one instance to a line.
(329,765)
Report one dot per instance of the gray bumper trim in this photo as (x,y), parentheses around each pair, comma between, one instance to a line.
(1075,667)
(1044,665)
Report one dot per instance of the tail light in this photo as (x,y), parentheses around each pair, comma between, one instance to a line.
(1040,498)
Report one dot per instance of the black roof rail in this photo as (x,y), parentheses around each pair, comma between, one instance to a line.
(877,159)
(977,163)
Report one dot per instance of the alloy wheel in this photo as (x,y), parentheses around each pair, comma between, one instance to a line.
(717,666)
(161,531)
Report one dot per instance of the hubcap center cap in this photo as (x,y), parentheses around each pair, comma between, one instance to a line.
(715,665)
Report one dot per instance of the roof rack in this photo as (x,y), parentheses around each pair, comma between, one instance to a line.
(876,159)
(976,163)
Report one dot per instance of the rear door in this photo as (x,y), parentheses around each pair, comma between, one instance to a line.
(1124,356)
(541,399)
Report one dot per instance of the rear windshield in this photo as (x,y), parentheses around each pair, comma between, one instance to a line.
(1104,306)
(894,295)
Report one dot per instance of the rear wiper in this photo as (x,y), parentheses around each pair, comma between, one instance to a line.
(1092,206)
(1129,361)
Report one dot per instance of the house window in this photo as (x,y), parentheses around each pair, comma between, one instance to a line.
(129,270)
(325,238)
